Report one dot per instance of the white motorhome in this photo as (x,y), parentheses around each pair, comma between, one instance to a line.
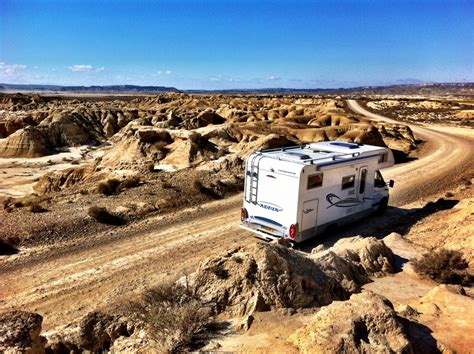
(298,192)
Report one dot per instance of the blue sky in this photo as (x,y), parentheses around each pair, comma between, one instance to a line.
(217,44)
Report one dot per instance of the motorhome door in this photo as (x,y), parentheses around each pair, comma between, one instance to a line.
(362,190)
(310,214)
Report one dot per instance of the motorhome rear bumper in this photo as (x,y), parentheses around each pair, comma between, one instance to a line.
(262,234)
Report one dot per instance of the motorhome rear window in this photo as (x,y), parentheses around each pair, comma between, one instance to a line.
(315,181)
(348,182)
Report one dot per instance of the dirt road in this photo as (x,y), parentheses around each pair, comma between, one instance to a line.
(66,281)
(446,157)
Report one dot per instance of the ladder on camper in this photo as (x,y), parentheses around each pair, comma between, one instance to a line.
(251,194)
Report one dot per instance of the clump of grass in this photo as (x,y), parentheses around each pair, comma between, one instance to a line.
(109,186)
(103,216)
(444,266)
(174,316)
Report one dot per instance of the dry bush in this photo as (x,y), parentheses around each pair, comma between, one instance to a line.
(7,204)
(166,185)
(150,167)
(36,207)
(444,266)
(109,186)
(130,182)
(174,316)
(102,215)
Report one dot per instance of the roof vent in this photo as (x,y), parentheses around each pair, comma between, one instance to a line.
(297,155)
(345,145)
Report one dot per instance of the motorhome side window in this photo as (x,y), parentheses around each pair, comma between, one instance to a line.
(315,181)
(348,182)
(383,158)
(379,182)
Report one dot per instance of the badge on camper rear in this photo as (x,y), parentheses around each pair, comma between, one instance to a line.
(270,206)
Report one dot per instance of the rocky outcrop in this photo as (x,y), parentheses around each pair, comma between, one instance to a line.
(56,123)
(261,276)
(366,323)
(98,331)
(20,332)
(57,180)
(368,253)
(352,261)
(28,142)
(448,312)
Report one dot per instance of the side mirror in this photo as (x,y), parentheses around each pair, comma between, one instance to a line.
(391,183)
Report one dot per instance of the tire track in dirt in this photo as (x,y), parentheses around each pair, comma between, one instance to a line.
(63,289)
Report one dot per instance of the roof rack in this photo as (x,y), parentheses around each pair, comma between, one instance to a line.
(304,161)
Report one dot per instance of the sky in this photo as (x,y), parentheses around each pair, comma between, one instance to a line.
(223,44)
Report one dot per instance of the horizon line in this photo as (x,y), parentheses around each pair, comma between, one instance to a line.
(421,83)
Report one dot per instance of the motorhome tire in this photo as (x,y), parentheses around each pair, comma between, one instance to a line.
(330,229)
(383,205)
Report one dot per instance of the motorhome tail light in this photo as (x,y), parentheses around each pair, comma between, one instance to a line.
(243,214)
(293,228)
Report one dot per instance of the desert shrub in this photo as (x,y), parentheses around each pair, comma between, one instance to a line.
(130,182)
(7,204)
(196,183)
(102,215)
(166,185)
(109,186)
(174,316)
(444,266)
(150,167)
(36,207)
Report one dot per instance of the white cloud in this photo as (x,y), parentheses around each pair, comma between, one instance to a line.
(274,78)
(85,68)
(11,70)
(216,78)
(167,72)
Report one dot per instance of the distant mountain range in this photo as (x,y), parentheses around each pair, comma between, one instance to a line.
(87,89)
(407,88)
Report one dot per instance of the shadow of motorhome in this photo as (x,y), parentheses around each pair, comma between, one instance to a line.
(401,157)
(393,220)
(7,249)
